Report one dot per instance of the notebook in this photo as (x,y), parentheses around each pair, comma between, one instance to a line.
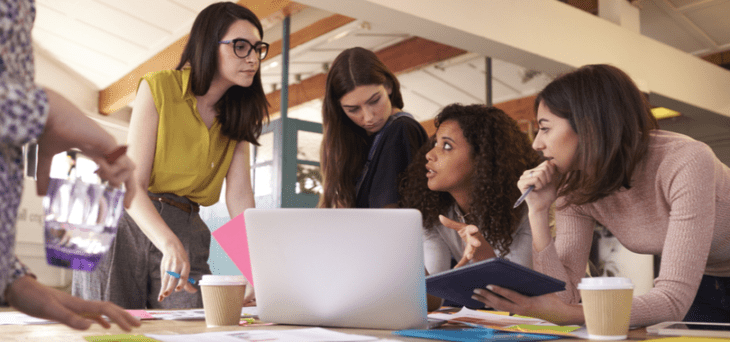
(354,268)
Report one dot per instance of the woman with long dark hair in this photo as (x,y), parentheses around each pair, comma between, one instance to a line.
(368,139)
(657,192)
(462,182)
(189,131)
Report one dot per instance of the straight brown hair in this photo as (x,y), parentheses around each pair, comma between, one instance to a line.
(344,143)
(612,119)
(241,111)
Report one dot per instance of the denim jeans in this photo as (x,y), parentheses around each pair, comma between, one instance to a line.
(712,303)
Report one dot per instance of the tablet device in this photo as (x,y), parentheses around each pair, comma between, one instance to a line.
(690,329)
(458,284)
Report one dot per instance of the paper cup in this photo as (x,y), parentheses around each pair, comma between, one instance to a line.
(222,299)
(607,306)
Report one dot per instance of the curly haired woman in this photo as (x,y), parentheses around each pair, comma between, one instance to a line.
(467,173)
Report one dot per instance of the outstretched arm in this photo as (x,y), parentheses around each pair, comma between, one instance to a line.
(143,140)
(67,127)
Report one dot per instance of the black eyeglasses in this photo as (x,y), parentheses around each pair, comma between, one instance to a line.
(242,48)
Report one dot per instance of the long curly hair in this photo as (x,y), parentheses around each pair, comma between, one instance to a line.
(500,154)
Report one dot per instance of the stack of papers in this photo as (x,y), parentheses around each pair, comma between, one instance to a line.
(510,324)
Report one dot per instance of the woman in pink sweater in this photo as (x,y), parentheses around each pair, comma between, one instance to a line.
(658,192)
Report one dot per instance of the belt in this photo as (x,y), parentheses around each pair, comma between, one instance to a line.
(188,208)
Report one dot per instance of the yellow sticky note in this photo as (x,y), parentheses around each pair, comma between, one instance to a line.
(502,313)
(119,338)
(534,328)
(689,339)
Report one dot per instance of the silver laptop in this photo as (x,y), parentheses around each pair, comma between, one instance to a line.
(355,268)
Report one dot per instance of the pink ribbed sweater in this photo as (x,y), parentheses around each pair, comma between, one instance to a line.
(678,207)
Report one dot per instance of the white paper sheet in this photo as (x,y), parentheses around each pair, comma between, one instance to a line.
(19,318)
(293,335)
(195,314)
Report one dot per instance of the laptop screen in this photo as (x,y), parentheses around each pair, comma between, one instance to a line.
(358,268)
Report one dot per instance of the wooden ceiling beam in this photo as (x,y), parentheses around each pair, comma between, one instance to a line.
(122,92)
(310,32)
(721,58)
(410,54)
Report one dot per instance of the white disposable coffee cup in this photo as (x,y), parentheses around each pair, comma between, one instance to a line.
(222,299)
(607,306)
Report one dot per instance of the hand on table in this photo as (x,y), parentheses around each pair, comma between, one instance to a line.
(475,247)
(548,307)
(37,300)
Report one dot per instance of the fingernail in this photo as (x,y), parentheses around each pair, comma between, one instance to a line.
(490,288)
(474,297)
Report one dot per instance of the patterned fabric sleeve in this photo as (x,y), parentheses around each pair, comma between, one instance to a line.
(23,112)
(23,104)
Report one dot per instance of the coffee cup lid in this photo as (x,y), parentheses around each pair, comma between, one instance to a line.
(222,280)
(605,283)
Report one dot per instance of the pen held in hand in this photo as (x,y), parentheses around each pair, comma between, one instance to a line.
(177,275)
(522,198)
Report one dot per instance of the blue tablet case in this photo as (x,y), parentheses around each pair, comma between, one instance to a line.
(458,284)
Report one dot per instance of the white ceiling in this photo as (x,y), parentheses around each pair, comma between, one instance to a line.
(103,40)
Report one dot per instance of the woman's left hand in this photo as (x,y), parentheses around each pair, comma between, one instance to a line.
(548,307)
(476,248)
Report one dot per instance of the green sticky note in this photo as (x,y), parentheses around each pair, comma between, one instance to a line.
(532,328)
(120,338)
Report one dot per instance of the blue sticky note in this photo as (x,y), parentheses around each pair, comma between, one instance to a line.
(472,335)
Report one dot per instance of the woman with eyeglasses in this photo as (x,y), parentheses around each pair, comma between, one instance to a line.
(189,131)
(368,139)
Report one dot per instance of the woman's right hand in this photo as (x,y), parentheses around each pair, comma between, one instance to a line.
(544,177)
(476,248)
(118,171)
(174,258)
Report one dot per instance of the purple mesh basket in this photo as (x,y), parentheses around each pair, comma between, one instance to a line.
(80,222)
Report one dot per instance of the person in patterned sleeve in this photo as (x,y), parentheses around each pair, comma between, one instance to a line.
(29,112)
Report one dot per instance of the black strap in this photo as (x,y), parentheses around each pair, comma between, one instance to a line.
(374,147)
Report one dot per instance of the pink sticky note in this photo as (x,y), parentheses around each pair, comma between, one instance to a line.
(232,238)
(141,314)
